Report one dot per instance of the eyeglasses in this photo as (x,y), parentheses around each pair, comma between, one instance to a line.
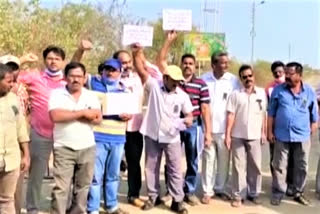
(246,77)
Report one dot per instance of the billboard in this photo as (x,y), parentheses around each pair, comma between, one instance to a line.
(203,45)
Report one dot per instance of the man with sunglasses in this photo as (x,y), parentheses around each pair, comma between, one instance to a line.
(277,69)
(292,117)
(245,130)
(110,139)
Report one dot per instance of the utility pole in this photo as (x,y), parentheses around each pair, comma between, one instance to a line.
(253,31)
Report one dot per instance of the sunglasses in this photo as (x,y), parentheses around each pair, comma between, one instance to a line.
(246,77)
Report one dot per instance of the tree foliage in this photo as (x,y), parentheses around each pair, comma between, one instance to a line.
(26,26)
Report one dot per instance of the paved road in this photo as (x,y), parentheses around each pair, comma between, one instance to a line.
(222,207)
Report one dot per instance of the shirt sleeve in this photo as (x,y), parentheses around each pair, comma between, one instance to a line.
(204,93)
(187,105)
(313,108)
(22,130)
(55,100)
(232,102)
(273,103)
(28,76)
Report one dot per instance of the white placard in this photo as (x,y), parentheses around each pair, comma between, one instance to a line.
(179,20)
(120,103)
(137,34)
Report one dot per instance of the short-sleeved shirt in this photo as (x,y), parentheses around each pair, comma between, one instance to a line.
(73,134)
(249,111)
(163,112)
(219,91)
(293,113)
(198,92)
(13,130)
(40,85)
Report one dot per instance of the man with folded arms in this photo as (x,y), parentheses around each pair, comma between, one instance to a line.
(74,110)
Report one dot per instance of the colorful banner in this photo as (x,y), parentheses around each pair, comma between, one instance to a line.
(203,45)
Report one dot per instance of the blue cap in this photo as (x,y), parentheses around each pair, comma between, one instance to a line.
(114,63)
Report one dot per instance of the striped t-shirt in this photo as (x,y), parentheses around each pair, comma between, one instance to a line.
(198,92)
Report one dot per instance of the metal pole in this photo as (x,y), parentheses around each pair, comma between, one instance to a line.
(253,33)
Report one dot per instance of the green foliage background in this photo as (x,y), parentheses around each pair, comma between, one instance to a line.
(25,27)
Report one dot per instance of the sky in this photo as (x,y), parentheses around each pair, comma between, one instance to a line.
(287,30)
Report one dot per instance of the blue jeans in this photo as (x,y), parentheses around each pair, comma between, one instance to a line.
(191,139)
(106,175)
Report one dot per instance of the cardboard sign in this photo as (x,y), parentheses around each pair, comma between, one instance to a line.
(137,34)
(179,20)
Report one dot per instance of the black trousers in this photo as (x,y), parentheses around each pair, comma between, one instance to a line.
(289,178)
(133,151)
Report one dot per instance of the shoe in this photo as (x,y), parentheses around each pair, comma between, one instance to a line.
(275,201)
(205,199)
(149,204)
(118,211)
(178,207)
(236,203)
(135,201)
(289,192)
(254,200)
(224,196)
(166,198)
(191,199)
(301,199)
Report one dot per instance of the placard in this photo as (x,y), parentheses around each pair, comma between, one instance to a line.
(179,20)
(137,34)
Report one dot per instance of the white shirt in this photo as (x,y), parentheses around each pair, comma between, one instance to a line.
(163,113)
(249,111)
(134,85)
(74,134)
(219,91)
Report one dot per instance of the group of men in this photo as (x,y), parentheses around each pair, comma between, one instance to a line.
(217,115)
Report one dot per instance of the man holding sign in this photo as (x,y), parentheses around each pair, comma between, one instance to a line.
(110,139)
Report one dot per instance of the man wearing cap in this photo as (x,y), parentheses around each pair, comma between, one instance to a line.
(74,110)
(198,92)
(161,128)
(14,148)
(110,139)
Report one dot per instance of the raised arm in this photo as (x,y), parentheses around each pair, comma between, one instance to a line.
(163,54)
(139,62)
(85,45)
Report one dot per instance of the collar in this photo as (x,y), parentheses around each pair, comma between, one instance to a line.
(225,76)
(164,89)
(287,86)
(243,89)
